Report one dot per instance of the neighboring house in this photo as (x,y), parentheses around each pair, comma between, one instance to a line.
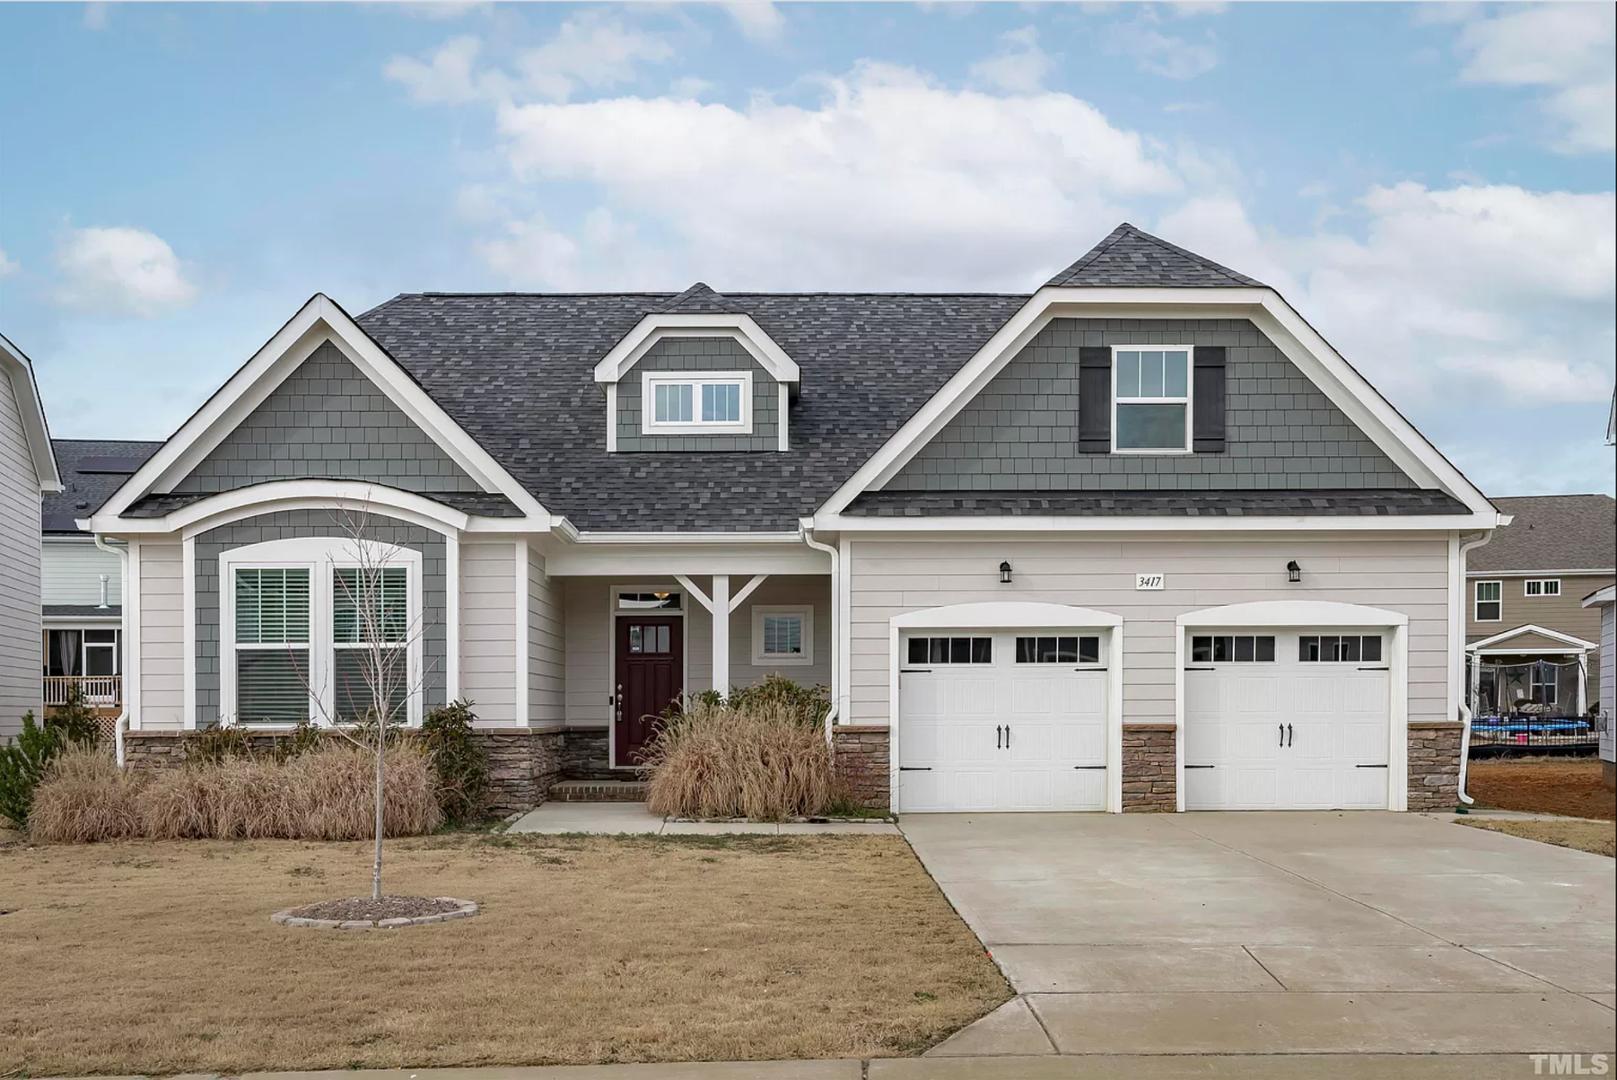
(81,639)
(1531,645)
(27,472)
(1139,540)
(1605,602)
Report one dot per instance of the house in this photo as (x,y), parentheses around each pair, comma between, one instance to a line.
(27,473)
(81,637)
(1531,646)
(1141,540)
(1604,600)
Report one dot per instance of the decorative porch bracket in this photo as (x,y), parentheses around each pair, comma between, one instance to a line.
(721,605)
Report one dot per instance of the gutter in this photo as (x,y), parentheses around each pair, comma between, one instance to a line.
(806,531)
(1465,684)
(120,725)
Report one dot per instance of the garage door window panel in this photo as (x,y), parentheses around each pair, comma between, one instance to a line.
(1339,648)
(1058,649)
(951,650)
(1232,648)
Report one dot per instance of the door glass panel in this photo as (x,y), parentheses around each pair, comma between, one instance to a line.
(634,639)
(663,639)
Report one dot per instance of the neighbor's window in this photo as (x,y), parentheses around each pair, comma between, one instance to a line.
(1542,683)
(1487,601)
(370,627)
(782,635)
(1339,648)
(951,650)
(272,645)
(1232,648)
(1542,587)
(717,402)
(1151,400)
(1058,649)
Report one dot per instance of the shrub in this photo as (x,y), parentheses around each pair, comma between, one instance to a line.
(221,743)
(718,761)
(458,761)
(334,791)
(74,720)
(85,797)
(808,704)
(25,759)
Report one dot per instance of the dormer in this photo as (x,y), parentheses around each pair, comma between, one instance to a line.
(697,374)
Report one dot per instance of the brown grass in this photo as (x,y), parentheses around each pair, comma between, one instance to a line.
(159,957)
(1596,837)
(84,797)
(1570,786)
(764,764)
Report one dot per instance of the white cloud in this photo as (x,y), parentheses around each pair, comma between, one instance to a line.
(1565,49)
(1020,66)
(1173,56)
(97,16)
(887,181)
(8,266)
(448,77)
(759,20)
(120,271)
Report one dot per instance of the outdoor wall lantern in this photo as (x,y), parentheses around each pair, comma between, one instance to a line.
(1294,573)
(1004,573)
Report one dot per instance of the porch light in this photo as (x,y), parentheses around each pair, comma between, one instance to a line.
(1004,573)
(1294,573)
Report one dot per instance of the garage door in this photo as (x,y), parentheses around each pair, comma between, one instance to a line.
(1286,720)
(1002,721)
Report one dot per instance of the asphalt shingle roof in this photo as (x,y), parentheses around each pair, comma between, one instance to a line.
(1551,532)
(1133,258)
(1343,503)
(92,469)
(476,503)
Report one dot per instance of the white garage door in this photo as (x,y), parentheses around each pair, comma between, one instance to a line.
(1286,719)
(1002,721)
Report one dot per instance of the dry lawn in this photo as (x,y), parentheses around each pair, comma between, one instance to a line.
(159,957)
(1543,785)
(1598,837)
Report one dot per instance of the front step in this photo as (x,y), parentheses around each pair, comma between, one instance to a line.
(598,791)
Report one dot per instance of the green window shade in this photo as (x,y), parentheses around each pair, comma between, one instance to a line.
(272,606)
(382,592)
(357,670)
(272,686)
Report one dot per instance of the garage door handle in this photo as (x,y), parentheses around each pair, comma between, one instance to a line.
(915,768)
(1007,736)
(1282,728)
(1291,736)
(1369,766)
(1201,766)
(1102,766)
(1375,669)
(1201,669)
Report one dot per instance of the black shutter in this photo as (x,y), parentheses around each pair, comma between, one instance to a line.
(1094,399)
(1207,420)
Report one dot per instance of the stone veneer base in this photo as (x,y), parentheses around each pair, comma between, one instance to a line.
(1434,764)
(1150,768)
(859,755)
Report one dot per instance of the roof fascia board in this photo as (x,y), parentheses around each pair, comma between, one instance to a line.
(658,325)
(1601,596)
(31,409)
(1539,573)
(842,523)
(1532,628)
(292,495)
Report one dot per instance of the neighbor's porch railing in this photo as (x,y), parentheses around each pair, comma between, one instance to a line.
(97,690)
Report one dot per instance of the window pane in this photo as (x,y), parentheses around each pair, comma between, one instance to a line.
(1488,612)
(1201,650)
(649,601)
(982,650)
(960,650)
(1370,651)
(1243,648)
(1047,650)
(917,650)
(721,402)
(1067,650)
(635,644)
(1089,650)
(1026,650)
(664,639)
(1266,649)
(1350,648)
(673,403)
(1176,374)
(361,675)
(783,635)
(370,604)
(1221,650)
(272,606)
(940,650)
(1128,374)
(271,686)
(1151,427)
(100,660)
(101,637)
(1151,374)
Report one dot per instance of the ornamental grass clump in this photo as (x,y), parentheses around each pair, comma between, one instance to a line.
(85,797)
(763,763)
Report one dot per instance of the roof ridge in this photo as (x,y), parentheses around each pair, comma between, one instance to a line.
(1128,256)
(1235,275)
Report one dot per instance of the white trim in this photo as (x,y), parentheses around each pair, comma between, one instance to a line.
(1267,310)
(132,620)
(612,417)
(691,589)
(842,632)
(188,605)
(1576,643)
(1601,596)
(318,321)
(805,612)
(747,590)
(720,629)
(1540,573)
(1011,616)
(320,555)
(1477,601)
(520,602)
(612,614)
(783,405)
(1188,400)
(452,632)
(1307,614)
(843,523)
(655,327)
(1544,590)
(696,380)
(31,412)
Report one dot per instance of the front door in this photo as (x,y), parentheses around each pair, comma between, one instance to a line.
(650,675)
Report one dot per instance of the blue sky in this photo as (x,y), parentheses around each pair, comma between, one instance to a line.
(1431,185)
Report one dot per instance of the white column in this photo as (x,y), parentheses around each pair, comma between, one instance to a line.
(720,612)
(1583,683)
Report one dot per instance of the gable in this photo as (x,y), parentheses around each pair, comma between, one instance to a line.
(1020,432)
(327,420)
(697,354)
(1527,639)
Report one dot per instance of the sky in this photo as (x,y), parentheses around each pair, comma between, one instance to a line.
(1432,186)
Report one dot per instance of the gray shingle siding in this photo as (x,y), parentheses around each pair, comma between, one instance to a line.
(698,354)
(328,420)
(1021,432)
(287,524)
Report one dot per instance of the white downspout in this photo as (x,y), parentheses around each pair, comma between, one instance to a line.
(806,528)
(1464,698)
(120,725)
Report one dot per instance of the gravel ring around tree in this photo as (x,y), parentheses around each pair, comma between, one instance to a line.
(364,913)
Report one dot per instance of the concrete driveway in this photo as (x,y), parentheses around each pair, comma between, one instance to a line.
(1272,933)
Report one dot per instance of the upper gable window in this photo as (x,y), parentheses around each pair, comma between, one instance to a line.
(1151,400)
(719,402)
(1542,587)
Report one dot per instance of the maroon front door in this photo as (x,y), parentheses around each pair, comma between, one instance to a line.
(651,671)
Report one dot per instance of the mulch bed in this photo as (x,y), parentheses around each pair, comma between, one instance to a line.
(1570,786)
(356,908)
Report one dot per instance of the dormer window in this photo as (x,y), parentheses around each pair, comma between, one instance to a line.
(709,402)
(1151,400)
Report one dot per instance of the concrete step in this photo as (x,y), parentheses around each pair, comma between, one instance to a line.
(598,791)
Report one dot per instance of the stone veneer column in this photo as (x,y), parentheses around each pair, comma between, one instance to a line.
(859,754)
(523,765)
(1149,769)
(1434,764)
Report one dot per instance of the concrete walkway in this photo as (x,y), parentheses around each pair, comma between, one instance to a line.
(633,819)
(1232,934)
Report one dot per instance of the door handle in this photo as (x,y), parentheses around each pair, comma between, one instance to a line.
(1282,734)
(1007,736)
(998,734)
(1290,736)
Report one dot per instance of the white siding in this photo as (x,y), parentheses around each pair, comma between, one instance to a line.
(488,630)
(20,687)
(1403,573)
(547,697)
(73,569)
(162,637)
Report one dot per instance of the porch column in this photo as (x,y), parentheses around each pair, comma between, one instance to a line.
(1583,683)
(1476,683)
(720,612)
